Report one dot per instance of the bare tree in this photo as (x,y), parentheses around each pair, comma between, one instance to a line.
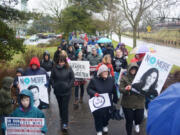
(120,23)
(54,7)
(134,10)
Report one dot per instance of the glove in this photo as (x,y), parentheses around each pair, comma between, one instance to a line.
(128,88)
(96,94)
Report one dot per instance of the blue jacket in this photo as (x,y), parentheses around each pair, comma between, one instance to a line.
(32,113)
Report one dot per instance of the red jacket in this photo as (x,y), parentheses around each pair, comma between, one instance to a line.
(34,61)
(110,67)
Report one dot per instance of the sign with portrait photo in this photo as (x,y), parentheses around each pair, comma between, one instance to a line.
(23,126)
(81,69)
(151,76)
(99,102)
(36,84)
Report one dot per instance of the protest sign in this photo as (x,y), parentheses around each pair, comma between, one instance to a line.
(99,102)
(36,84)
(81,69)
(23,126)
(151,76)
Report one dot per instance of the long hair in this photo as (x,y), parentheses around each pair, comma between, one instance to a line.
(106,59)
(62,58)
(144,78)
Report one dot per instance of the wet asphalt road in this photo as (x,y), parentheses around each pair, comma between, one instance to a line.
(80,121)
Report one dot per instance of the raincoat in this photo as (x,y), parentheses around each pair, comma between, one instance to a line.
(33,112)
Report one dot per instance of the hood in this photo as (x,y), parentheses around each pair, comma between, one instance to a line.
(20,70)
(27,93)
(131,66)
(6,83)
(46,53)
(34,61)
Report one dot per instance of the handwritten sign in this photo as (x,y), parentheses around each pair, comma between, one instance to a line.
(81,69)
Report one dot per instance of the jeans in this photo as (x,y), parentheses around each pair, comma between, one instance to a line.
(77,91)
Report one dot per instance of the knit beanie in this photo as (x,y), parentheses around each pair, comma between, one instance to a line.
(102,68)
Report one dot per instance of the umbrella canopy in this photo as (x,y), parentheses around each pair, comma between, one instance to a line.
(76,40)
(163,113)
(142,49)
(104,40)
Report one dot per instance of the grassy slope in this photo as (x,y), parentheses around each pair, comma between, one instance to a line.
(175,68)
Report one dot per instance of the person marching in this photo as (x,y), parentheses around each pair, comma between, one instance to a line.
(101,84)
(132,104)
(47,64)
(79,83)
(35,69)
(62,80)
(26,109)
(107,61)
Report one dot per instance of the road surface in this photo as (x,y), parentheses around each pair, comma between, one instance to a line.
(81,120)
(167,53)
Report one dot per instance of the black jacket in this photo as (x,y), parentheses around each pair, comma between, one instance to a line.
(119,63)
(71,55)
(46,64)
(62,80)
(56,55)
(110,52)
(101,86)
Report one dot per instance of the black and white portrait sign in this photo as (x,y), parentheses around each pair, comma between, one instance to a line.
(36,84)
(151,76)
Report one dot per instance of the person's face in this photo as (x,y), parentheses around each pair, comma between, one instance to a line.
(18,74)
(119,53)
(59,49)
(61,63)
(46,57)
(25,102)
(104,75)
(80,54)
(35,94)
(133,71)
(70,48)
(151,78)
(34,67)
(109,60)
(94,52)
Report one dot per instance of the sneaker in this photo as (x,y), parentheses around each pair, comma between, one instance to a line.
(99,133)
(64,127)
(105,129)
(137,128)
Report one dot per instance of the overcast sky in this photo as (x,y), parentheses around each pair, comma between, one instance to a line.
(36,5)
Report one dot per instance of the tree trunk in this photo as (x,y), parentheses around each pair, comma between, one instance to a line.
(119,38)
(134,36)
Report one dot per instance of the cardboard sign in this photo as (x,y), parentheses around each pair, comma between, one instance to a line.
(36,84)
(151,75)
(23,126)
(102,101)
(81,69)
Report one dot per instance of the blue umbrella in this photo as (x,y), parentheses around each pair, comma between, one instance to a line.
(104,40)
(164,113)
